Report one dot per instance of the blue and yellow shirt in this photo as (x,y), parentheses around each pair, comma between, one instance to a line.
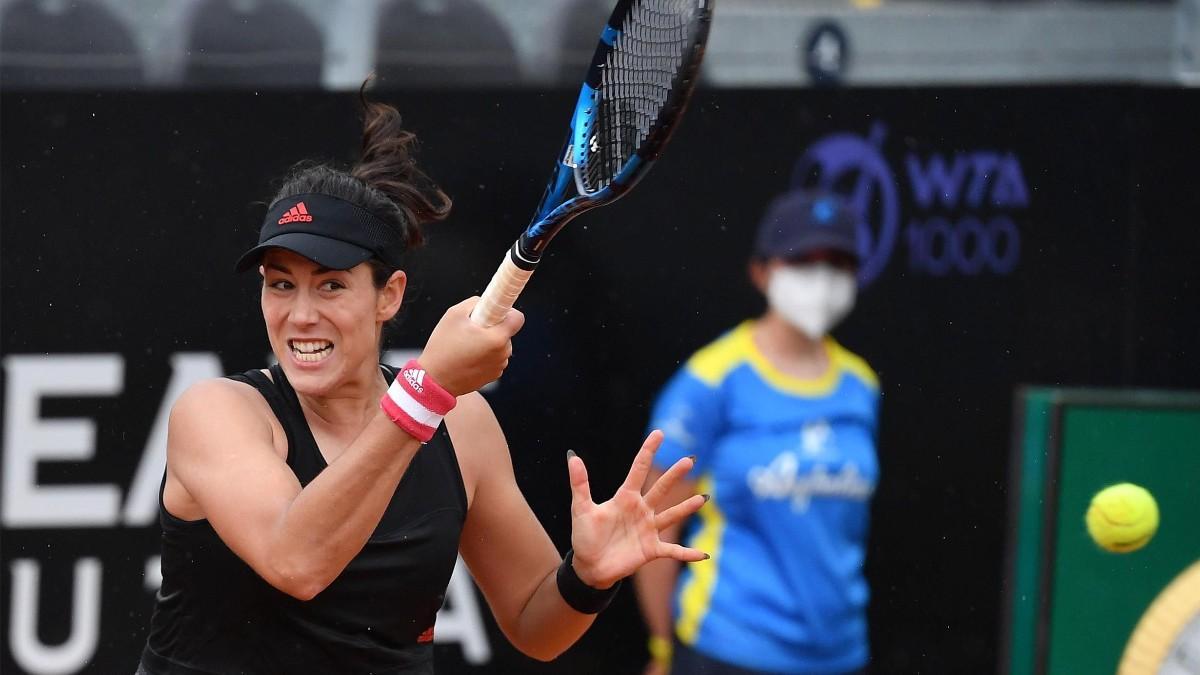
(790,464)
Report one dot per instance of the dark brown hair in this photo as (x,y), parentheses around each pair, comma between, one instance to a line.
(385,181)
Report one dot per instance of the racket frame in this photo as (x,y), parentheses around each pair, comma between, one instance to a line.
(565,196)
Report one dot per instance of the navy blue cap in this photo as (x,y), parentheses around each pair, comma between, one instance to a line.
(803,221)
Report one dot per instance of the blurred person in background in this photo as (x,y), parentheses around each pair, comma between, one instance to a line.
(312,512)
(781,422)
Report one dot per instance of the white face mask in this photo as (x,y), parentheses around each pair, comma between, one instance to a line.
(813,297)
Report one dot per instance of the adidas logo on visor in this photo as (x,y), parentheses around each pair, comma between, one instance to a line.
(296,214)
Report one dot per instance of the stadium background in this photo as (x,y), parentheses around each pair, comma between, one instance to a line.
(1033,215)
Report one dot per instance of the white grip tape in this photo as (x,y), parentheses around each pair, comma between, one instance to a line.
(501,293)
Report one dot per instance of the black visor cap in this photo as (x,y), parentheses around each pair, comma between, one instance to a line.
(331,232)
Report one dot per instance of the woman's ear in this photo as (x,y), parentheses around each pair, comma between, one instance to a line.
(391,296)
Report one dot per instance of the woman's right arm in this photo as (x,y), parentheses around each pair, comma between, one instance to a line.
(220,453)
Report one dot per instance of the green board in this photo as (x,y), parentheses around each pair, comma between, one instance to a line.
(1072,606)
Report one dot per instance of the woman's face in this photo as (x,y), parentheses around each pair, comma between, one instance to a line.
(324,325)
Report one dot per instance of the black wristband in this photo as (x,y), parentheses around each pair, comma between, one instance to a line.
(581,597)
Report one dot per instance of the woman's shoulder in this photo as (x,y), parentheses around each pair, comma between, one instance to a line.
(211,397)
(214,412)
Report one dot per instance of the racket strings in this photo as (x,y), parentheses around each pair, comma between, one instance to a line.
(636,83)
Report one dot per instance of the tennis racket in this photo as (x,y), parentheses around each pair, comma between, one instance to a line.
(635,92)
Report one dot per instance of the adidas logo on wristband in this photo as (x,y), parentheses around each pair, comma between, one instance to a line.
(415,377)
(416,403)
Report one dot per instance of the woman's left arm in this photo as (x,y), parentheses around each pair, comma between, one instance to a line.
(512,558)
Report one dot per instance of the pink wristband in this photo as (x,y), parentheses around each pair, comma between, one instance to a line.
(416,403)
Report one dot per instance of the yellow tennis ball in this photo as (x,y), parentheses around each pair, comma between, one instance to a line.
(1122,517)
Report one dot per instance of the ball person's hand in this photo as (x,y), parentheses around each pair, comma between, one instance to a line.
(613,539)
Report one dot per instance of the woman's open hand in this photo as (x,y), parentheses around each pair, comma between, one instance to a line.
(613,539)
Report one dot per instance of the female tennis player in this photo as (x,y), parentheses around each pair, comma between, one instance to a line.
(312,512)
(781,421)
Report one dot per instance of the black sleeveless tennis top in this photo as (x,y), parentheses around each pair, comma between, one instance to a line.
(214,614)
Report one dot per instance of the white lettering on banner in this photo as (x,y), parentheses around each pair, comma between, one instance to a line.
(72,655)
(781,479)
(152,575)
(29,439)
(459,619)
(187,368)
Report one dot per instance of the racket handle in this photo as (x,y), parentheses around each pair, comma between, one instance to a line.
(501,292)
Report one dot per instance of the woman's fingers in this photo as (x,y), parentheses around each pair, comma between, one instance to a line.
(680,553)
(680,511)
(666,482)
(581,491)
(642,462)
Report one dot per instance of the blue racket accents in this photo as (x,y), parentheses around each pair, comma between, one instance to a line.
(609,35)
(583,125)
(606,150)
(556,192)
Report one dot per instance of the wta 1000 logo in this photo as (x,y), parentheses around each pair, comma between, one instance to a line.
(957,218)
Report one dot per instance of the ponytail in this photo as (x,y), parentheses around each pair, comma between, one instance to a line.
(388,165)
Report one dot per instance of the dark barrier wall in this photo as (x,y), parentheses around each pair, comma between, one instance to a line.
(1017,235)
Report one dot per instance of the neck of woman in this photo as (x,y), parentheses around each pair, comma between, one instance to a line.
(351,404)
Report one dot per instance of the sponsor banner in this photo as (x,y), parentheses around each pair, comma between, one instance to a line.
(942,212)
